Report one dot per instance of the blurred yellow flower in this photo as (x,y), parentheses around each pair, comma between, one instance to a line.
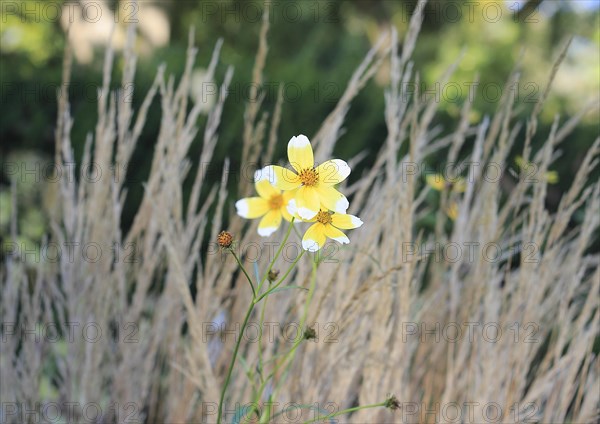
(328,225)
(439,182)
(552,177)
(270,204)
(452,211)
(313,185)
(531,168)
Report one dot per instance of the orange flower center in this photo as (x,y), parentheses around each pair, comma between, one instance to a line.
(309,176)
(276,201)
(324,217)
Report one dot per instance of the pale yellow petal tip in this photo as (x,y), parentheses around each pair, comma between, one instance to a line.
(310,245)
(267,231)
(342,205)
(343,168)
(356,221)
(346,222)
(242,208)
(306,213)
(299,142)
(292,209)
(333,171)
(267,173)
(342,240)
(261,174)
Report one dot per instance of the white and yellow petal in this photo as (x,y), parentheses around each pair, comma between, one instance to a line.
(300,153)
(314,238)
(292,208)
(263,174)
(308,202)
(269,223)
(345,222)
(288,196)
(281,177)
(335,234)
(333,172)
(332,199)
(252,207)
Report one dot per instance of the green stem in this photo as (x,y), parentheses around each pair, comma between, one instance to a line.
(268,292)
(345,411)
(260,352)
(265,294)
(287,235)
(311,292)
(245,273)
(275,369)
(235,352)
(289,358)
(298,233)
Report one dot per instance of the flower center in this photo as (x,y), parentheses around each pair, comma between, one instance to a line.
(324,217)
(276,201)
(309,176)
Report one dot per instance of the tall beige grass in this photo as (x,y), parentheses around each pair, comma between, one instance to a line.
(390,308)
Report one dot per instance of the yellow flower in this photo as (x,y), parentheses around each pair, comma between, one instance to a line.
(327,225)
(521,162)
(551,176)
(314,184)
(271,204)
(439,183)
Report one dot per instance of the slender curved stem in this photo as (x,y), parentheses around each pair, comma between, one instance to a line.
(345,411)
(287,235)
(298,233)
(235,352)
(311,292)
(296,344)
(289,357)
(260,351)
(282,279)
(275,369)
(245,273)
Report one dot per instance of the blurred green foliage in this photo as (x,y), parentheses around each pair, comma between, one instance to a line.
(314,47)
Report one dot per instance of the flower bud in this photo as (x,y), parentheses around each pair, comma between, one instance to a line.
(225,238)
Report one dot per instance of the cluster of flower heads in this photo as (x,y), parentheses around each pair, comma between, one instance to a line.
(307,193)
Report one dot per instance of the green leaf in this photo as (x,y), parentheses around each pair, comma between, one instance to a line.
(287,288)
